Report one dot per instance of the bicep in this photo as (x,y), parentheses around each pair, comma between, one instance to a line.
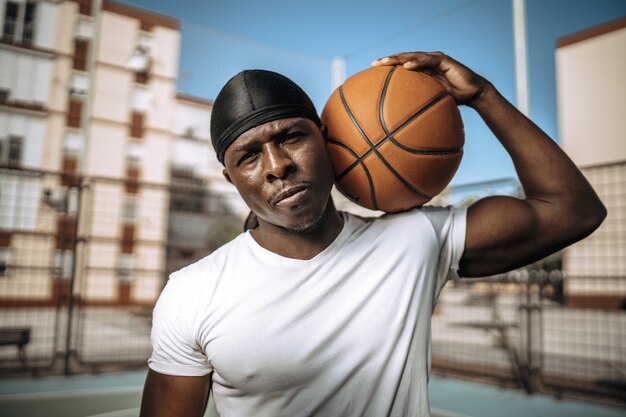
(505,233)
(174,396)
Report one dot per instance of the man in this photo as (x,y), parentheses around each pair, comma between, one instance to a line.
(319,313)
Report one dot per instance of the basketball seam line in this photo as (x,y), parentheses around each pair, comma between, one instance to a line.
(367,172)
(383,94)
(375,150)
(389,135)
(444,151)
(450,151)
(362,133)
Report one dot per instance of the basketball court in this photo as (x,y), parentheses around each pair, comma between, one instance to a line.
(119,395)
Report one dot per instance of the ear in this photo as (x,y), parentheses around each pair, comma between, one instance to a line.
(225,174)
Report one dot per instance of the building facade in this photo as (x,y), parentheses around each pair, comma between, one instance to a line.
(92,137)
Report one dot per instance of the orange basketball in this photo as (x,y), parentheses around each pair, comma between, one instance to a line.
(395,138)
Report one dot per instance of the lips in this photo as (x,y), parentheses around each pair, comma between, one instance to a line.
(289,192)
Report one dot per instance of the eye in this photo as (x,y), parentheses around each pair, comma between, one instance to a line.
(293,137)
(247,157)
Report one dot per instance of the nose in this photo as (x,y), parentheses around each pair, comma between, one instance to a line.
(277,162)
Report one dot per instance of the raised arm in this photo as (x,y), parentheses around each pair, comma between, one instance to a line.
(559,208)
(174,396)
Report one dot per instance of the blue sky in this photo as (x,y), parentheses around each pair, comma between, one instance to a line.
(298,39)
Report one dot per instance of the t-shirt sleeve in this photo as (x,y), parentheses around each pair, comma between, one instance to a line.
(175,350)
(450,226)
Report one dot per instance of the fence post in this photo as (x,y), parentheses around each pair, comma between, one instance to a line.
(535,284)
(70,299)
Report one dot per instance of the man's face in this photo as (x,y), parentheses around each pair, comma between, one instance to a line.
(283,172)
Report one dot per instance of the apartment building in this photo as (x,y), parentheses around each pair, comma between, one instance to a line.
(28,114)
(92,135)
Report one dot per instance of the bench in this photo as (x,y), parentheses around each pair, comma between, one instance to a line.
(16,336)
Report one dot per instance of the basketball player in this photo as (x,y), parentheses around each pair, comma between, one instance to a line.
(316,312)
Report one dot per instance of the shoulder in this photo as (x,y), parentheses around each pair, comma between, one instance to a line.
(201,273)
(195,283)
(426,220)
(436,215)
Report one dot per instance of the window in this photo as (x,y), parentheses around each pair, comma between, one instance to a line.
(4,95)
(5,260)
(142,77)
(70,170)
(28,30)
(140,63)
(136,124)
(19,22)
(125,266)
(62,264)
(134,154)
(146,41)
(5,253)
(15,151)
(133,173)
(128,238)
(11,151)
(9,30)
(81,50)
(188,192)
(73,144)
(79,85)
(140,100)
(66,232)
(75,110)
(129,209)
(84,7)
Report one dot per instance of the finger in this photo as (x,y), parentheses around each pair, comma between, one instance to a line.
(388,60)
(412,60)
(422,61)
(395,59)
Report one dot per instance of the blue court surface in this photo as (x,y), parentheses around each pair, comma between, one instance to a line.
(119,394)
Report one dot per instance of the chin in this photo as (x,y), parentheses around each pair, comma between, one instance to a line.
(306,226)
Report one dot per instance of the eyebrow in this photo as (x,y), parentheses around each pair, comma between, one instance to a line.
(282,132)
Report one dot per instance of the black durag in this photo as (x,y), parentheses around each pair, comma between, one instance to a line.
(252,98)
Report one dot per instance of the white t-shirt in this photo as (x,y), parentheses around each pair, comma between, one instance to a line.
(346,333)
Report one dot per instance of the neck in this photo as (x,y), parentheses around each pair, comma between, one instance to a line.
(300,245)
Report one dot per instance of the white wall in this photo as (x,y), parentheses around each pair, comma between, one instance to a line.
(31,129)
(19,201)
(591,87)
(194,117)
(46,23)
(27,76)
(591,82)
(191,154)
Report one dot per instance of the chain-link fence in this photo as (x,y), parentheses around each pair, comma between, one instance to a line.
(82,264)
(83,261)
(558,326)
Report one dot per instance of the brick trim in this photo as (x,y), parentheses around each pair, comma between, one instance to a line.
(592,32)
(194,100)
(147,18)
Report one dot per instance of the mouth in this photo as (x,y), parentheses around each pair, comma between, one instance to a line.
(290,195)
